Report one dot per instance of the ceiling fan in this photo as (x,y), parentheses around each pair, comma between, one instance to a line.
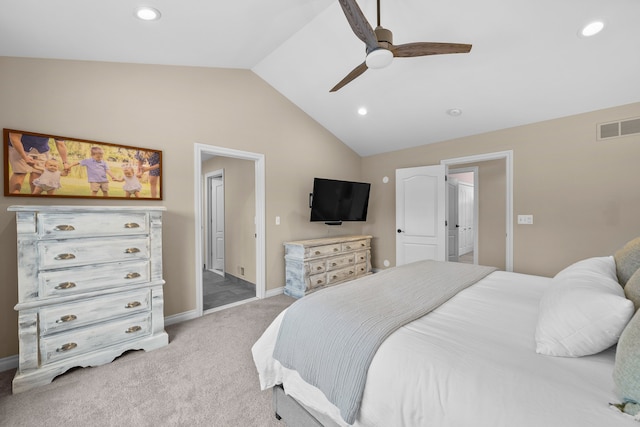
(380,48)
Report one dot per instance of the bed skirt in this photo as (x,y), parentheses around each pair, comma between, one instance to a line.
(294,414)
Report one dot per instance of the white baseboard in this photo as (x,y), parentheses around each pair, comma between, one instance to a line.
(180,317)
(9,362)
(273,292)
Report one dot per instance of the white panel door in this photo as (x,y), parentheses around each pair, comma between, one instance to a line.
(465,217)
(452,220)
(218,258)
(420,214)
(215,222)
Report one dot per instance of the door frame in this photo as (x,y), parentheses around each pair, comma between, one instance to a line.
(209,247)
(499,155)
(204,149)
(476,210)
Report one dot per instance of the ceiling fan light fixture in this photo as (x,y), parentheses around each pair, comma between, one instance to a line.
(379,58)
(147,13)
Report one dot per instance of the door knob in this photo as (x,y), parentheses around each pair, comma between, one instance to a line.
(400,231)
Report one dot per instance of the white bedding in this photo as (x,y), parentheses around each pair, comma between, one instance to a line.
(471,362)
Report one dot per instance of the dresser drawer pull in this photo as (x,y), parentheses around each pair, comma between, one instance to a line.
(319,282)
(133,329)
(348,247)
(132,276)
(333,264)
(66,347)
(335,249)
(67,318)
(131,251)
(334,277)
(65,285)
(318,252)
(133,304)
(62,257)
(351,272)
(131,225)
(350,260)
(319,268)
(64,227)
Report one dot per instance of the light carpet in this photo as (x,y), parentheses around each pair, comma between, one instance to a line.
(204,377)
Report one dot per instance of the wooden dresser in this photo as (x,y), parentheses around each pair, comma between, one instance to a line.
(89,287)
(318,263)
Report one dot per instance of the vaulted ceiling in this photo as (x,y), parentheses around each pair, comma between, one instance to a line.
(528,62)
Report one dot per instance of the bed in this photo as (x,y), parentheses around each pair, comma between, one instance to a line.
(508,349)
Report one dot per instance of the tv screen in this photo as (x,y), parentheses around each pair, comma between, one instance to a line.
(334,201)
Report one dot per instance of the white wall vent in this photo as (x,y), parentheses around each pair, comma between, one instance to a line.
(619,128)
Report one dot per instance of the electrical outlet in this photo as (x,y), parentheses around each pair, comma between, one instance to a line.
(525,219)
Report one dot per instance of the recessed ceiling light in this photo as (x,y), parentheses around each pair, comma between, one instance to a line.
(592,28)
(362,111)
(455,112)
(147,13)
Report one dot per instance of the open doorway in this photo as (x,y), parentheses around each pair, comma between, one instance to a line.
(494,231)
(254,208)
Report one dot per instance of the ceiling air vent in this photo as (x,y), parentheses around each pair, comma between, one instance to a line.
(620,128)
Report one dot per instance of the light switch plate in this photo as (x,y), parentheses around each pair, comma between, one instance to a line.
(525,219)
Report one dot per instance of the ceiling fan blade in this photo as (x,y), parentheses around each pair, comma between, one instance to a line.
(351,76)
(426,48)
(359,24)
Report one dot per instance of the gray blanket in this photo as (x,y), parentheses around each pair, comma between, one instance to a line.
(330,337)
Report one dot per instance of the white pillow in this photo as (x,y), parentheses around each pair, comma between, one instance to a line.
(583,311)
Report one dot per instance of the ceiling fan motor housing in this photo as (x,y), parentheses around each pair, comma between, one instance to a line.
(381,57)
(384,36)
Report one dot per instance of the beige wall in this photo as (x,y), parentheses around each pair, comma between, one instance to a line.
(583,193)
(239,214)
(170,108)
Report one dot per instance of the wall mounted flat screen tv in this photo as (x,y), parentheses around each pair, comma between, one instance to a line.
(334,201)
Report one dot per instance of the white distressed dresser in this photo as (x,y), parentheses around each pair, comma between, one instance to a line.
(89,287)
(317,263)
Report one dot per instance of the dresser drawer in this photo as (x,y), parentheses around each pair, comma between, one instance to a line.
(66,253)
(316,280)
(340,262)
(356,244)
(340,275)
(78,341)
(69,225)
(361,256)
(362,269)
(315,267)
(67,316)
(314,251)
(84,279)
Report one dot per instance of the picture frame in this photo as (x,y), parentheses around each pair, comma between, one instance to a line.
(44,165)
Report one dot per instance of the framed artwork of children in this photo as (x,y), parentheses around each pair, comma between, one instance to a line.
(41,165)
